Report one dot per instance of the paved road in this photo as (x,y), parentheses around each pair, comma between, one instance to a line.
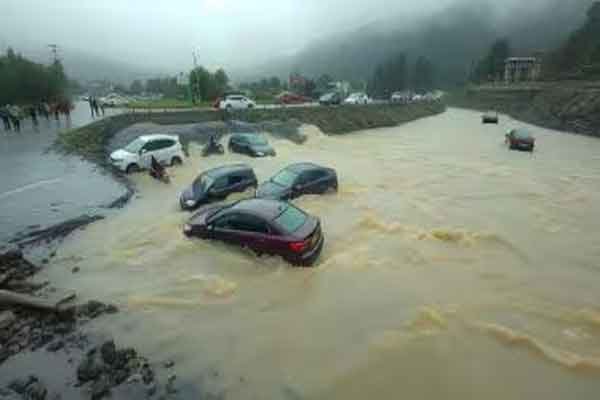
(40,187)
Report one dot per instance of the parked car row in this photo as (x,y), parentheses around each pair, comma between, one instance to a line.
(291,182)
(265,223)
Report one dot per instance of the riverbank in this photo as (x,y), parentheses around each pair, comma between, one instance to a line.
(42,326)
(567,106)
(91,141)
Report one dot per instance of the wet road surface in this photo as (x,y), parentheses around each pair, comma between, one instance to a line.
(41,188)
(453,268)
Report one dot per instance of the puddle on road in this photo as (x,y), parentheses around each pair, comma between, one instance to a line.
(453,268)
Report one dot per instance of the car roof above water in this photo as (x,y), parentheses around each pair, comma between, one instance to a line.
(267,209)
(303,166)
(228,169)
(158,136)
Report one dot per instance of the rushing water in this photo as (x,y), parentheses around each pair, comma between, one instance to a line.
(453,268)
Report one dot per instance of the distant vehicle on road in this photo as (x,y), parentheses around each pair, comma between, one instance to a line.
(400,97)
(265,226)
(252,144)
(298,179)
(137,155)
(292,98)
(114,100)
(490,117)
(357,98)
(216,184)
(236,102)
(330,99)
(520,139)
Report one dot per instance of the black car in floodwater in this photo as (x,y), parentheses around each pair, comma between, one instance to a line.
(520,139)
(490,117)
(298,179)
(216,184)
(252,144)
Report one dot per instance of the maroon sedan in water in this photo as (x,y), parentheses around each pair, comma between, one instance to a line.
(266,226)
(520,139)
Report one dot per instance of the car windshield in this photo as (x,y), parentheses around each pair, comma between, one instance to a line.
(291,219)
(202,183)
(256,140)
(135,146)
(285,178)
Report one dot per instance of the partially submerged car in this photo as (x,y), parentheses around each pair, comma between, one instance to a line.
(252,144)
(330,99)
(137,155)
(265,226)
(520,139)
(216,184)
(298,179)
(490,117)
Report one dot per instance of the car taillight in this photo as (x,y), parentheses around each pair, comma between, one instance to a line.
(298,247)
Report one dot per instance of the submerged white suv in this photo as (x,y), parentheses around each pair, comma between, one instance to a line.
(137,155)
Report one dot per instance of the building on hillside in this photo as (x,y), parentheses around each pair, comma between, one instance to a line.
(522,69)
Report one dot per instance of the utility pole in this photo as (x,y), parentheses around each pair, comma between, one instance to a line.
(54,50)
(197,91)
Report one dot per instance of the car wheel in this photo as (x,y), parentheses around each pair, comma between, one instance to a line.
(176,161)
(132,168)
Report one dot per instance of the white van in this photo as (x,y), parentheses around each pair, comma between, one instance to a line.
(138,154)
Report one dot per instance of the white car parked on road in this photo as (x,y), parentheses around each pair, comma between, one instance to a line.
(138,154)
(236,102)
(357,98)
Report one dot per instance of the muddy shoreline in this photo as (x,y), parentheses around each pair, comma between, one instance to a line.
(95,367)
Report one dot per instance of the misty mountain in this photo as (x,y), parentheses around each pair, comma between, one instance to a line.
(87,67)
(452,39)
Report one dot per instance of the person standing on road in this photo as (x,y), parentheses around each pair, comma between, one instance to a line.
(91,101)
(15,117)
(96,108)
(5,115)
(102,107)
(33,115)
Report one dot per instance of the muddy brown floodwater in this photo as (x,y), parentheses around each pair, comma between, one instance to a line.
(453,268)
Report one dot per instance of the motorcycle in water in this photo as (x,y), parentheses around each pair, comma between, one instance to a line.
(157,171)
(213,148)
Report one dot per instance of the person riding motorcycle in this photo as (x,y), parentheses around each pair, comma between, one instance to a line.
(213,146)
(157,171)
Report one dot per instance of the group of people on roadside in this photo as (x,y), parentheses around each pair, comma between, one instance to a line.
(96,107)
(12,115)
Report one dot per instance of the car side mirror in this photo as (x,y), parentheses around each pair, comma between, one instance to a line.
(210,227)
(143,151)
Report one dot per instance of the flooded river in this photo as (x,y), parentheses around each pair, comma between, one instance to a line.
(453,268)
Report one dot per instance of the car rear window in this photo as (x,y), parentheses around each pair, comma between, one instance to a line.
(285,178)
(521,134)
(291,219)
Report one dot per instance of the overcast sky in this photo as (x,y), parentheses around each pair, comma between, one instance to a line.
(162,33)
